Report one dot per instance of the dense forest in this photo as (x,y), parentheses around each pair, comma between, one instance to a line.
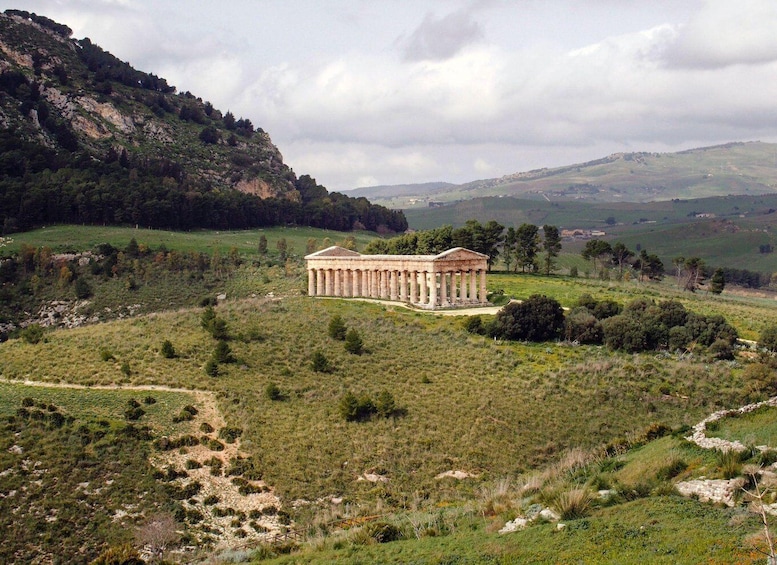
(167,161)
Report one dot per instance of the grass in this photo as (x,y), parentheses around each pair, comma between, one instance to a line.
(471,404)
(754,428)
(656,530)
(101,403)
(78,238)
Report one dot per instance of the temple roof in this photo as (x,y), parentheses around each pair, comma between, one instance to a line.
(455,254)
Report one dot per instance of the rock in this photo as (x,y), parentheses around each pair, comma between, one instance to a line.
(549,515)
(721,491)
(514,525)
(560,526)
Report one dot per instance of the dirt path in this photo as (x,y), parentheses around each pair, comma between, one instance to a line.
(232,518)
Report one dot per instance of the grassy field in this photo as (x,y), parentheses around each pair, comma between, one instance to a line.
(755,428)
(80,238)
(499,411)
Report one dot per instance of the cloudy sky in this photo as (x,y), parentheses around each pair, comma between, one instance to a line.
(365,92)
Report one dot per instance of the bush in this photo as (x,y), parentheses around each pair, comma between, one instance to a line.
(32,334)
(722,350)
(212,368)
(353,342)
(320,363)
(337,328)
(206,428)
(82,289)
(474,325)
(768,338)
(167,350)
(382,532)
(230,434)
(582,326)
(538,318)
(385,405)
(273,392)
(354,409)
(223,353)
(106,355)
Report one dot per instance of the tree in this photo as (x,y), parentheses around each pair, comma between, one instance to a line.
(508,247)
(283,248)
(551,244)
(262,249)
(621,256)
(337,328)
(353,342)
(649,266)
(717,282)
(596,249)
(694,276)
(527,247)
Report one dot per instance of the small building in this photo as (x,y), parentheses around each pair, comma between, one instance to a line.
(452,279)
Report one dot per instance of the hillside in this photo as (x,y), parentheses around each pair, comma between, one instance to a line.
(730,169)
(86,138)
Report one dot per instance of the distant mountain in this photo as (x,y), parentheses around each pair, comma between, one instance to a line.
(392,190)
(730,169)
(86,138)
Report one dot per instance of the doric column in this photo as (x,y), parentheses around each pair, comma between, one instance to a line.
(403,286)
(346,282)
(473,285)
(320,288)
(433,290)
(483,286)
(424,299)
(365,287)
(355,279)
(443,289)
(393,285)
(414,287)
(463,289)
(383,284)
(338,289)
(311,282)
(329,282)
(375,284)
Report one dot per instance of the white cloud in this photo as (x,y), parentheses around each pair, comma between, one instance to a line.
(441,38)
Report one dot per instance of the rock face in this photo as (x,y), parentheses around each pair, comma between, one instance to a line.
(108,104)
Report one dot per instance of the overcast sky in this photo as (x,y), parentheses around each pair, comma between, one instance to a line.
(365,92)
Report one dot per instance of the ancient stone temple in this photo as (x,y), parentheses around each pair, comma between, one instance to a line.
(454,278)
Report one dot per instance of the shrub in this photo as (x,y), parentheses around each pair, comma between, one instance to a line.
(32,334)
(106,355)
(337,328)
(212,368)
(223,353)
(474,325)
(573,504)
(125,369)
(167,350)
(721,349)
(582,326)
(538,318)
(768,338)
(353,342)
(82,289)
(385,405)
(382,532)
(215,445)
(205,427)
(354,409)
(193,464)
(320,363)
(149,400)
(230,434)
(272,392)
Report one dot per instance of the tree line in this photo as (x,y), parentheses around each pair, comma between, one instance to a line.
(519,248)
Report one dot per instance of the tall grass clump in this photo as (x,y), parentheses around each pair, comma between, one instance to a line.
(573,504)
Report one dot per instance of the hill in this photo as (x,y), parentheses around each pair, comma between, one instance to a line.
(86,138)
(730,169)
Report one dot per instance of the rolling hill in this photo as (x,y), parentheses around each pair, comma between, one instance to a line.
(730,169)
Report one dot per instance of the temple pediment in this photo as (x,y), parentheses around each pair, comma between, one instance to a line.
(459,254)
(333,251)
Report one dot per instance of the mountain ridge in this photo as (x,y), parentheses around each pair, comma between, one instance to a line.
(719,170)
(86,138)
